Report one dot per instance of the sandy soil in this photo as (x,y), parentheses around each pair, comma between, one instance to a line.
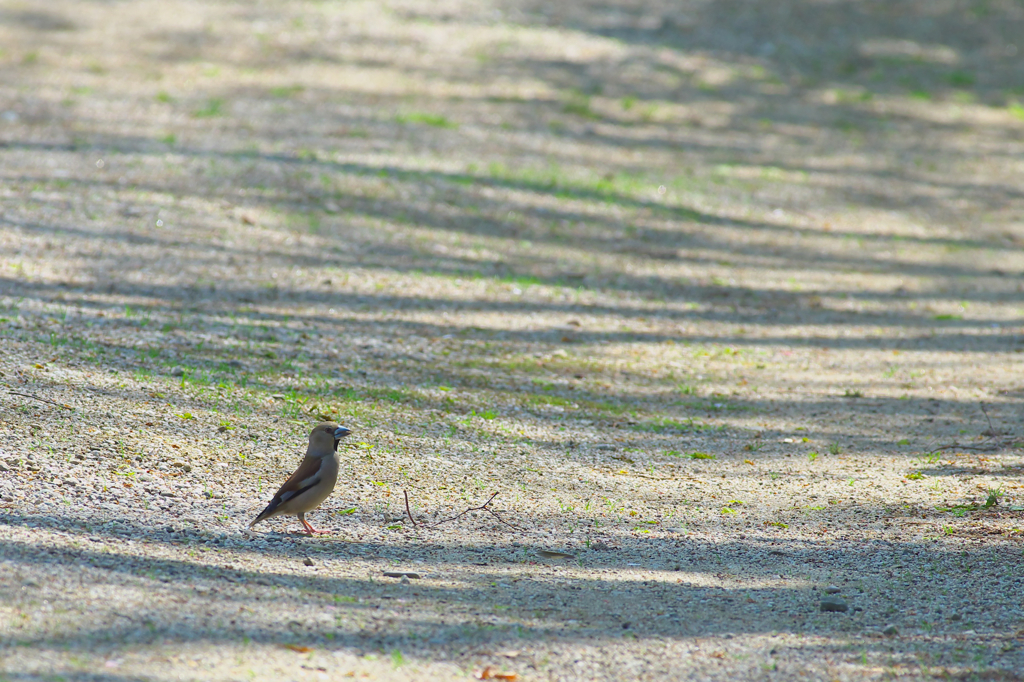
(721,299)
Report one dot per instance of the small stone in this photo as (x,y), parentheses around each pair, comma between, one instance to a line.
(890,631)
(955,617)
(402,574)
(405,580)
(177,372)
(307,561)
(834,604)
(832,589)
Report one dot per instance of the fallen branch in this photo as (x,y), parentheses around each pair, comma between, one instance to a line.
(42,400)
(482,507)
(407,509)
(991,429)
(980,448)
(995,440)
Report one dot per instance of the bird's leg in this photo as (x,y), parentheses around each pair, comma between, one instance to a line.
(310,529)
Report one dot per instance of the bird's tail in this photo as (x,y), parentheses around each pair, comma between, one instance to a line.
(265,514)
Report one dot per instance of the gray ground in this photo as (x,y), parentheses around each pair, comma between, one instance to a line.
(722,299)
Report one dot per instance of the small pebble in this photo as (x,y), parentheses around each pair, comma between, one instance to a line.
(890,631)
(307,561)
(834,604)
(832,589)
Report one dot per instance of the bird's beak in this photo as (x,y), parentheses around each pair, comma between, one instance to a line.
(340,433)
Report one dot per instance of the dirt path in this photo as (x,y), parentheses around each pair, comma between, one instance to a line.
(722,299)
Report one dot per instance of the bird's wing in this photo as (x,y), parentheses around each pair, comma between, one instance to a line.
(304,478)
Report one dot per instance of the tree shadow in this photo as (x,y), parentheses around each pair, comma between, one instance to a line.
(230,605)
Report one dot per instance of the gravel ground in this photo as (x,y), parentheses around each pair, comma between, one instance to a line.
(719,301)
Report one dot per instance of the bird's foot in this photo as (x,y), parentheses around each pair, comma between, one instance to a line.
(311,530)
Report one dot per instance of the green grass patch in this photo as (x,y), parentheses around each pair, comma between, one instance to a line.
(578,104)
(960,79)
(541,399)
(667,424)
(286,91)
(424,118)
(486,414)
(213,107)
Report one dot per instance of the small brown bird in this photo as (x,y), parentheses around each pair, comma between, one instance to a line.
(313,481)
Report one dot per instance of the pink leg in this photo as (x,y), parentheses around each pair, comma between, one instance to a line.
(310,529)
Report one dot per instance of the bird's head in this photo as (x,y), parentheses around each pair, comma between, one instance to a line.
(327,433)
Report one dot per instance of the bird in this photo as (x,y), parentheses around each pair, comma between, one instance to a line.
(313,481)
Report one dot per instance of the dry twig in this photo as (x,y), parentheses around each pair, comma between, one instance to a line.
(42,400)
(991,429)
(979,448)
(482,507)
(990,444)
(406,493)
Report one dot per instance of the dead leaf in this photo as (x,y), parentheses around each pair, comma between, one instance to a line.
(717,654)
(490,673)
(298,648)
